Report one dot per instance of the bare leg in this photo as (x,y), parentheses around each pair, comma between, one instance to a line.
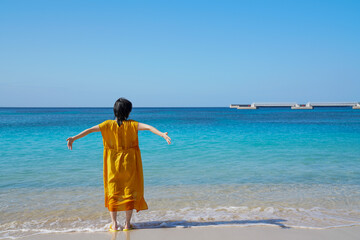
(128,218)
(113,219)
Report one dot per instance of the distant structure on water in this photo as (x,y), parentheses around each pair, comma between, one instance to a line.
(309,105)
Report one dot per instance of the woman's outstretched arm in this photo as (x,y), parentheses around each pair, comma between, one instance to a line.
(143,126)
(70,140)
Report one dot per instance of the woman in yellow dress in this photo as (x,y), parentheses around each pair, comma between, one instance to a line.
(123,173)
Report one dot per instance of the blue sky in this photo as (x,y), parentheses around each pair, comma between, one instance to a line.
(178,53)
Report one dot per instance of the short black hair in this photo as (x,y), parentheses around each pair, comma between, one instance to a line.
(122,109)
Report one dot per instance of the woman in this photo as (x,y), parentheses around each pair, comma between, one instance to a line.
(123,173)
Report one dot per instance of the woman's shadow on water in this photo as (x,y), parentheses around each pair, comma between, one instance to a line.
(188,224)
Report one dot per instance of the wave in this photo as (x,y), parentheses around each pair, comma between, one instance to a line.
(288,217)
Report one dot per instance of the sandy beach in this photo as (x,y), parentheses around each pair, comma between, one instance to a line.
(212,233)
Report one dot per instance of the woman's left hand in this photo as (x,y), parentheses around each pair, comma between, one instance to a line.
(166,137)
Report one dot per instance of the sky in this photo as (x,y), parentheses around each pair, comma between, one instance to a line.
(65,53)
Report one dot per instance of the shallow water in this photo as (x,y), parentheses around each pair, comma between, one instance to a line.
(225,166)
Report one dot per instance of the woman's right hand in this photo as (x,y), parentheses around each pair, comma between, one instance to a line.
(143,126)
(70,141)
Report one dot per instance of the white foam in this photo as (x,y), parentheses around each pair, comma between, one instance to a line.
(312,218)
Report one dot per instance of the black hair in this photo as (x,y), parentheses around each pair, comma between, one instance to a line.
(122,109)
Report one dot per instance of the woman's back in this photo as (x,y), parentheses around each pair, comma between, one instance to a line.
(123,173)
(119,138)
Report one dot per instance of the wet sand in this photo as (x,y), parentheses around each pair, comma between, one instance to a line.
(213,233)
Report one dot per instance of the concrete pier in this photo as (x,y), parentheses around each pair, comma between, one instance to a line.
(309,105)
(302,106)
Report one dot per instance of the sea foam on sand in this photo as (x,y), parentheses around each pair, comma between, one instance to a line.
(212,233)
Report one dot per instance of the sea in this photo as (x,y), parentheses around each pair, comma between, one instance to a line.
(271,166)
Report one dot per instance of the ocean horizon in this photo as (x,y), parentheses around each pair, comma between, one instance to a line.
(270,166)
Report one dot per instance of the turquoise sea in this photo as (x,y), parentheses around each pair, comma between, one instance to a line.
(270,166)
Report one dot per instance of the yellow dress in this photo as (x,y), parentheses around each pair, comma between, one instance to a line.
(123,173)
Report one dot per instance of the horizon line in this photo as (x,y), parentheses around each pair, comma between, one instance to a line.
(133,107)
